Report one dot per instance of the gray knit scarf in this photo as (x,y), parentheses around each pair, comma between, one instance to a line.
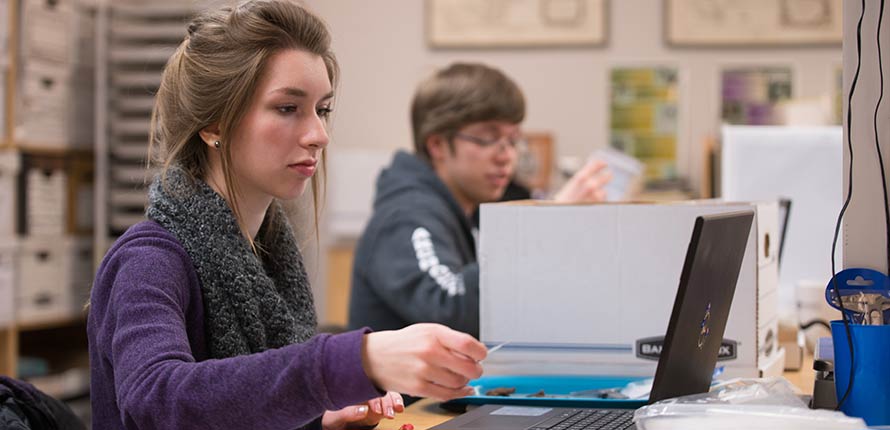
(251,303)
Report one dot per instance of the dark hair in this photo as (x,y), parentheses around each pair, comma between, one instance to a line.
(461,94)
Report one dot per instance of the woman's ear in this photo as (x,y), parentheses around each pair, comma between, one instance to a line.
(210,135)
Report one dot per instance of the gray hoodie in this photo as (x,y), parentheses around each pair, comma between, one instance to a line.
(416,260)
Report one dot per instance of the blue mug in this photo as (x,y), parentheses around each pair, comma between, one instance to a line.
(869,398)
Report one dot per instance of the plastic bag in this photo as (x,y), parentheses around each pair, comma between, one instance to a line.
(751,404)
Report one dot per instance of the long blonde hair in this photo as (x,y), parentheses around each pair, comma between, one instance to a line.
(212,76)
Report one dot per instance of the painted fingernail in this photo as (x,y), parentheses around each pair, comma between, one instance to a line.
(390,413)
(361,410)
(399,401)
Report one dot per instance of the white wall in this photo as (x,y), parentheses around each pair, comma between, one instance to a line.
(864,238)
(383,52)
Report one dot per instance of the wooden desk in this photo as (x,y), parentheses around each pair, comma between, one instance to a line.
(427,413)
(804,377)
(423,415)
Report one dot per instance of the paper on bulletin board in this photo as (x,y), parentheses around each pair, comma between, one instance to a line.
(752,95)
(644,117)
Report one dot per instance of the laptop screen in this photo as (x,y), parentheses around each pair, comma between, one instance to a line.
(701,308)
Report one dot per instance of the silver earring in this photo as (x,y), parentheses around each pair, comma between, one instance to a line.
(216,144)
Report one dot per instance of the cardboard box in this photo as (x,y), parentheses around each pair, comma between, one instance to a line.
(589,288)
(56,194)
(43,110)
(46,196)
(47,29)
(55,277)
(55,106)
(41,292)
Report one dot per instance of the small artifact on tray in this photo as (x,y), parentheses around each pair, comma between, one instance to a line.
(540,393)
(601,393)
(501,391)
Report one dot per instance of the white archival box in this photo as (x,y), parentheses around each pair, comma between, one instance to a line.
(803,164)
(578,289)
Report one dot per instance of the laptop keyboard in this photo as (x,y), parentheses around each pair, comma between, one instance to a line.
(589,419)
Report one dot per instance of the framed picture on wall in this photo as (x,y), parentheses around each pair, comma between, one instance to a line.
(753,22)
(535,164)
(515,23)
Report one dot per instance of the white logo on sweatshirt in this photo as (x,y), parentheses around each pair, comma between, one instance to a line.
(429,263)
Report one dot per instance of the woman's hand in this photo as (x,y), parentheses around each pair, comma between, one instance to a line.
(587,185)
(365,415)
(424,360)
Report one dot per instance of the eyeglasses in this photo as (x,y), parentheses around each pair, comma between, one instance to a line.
(503,141)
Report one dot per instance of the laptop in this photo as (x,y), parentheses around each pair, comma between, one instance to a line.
(784,216)
(691,344)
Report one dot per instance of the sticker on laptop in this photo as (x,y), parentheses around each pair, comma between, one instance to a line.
(521,411)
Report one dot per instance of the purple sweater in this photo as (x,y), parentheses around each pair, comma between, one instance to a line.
(149,363)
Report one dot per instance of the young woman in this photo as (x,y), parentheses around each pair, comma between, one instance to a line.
(202,316)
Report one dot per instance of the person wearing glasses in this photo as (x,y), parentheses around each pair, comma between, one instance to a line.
(416,260)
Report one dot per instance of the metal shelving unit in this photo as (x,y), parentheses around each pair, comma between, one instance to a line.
(138,40)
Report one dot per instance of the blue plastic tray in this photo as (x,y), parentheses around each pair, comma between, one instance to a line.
(554,386)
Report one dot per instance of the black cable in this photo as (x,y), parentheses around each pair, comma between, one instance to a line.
(812,323)
(877,140)
(840,217)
